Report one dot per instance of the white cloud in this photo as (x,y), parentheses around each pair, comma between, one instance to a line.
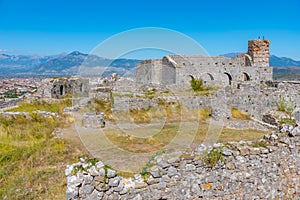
(6,51)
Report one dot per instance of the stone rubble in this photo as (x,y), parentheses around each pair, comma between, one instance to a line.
(267,169)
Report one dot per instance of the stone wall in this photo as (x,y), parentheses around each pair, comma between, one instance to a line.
(178,69)
(260,99)
(7,103)
(61,87)
(259,52)
(246,170)
(27,114)
(168,72)
(255,99)
(93,120)
(133,103)
(149,71)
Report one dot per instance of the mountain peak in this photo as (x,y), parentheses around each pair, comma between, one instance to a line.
(77,53)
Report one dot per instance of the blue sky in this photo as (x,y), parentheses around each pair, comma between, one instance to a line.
(51,27)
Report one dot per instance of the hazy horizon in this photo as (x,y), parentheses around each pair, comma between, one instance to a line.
(52,27)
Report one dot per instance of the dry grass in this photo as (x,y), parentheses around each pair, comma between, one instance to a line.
(142,141)
(140,116)
(32,161)
(238,135)
(204,114)
(56,107)
(237,114)
(164,111)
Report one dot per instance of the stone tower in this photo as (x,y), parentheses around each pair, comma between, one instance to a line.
(258,50)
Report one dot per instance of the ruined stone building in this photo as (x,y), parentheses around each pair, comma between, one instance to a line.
(62,87)
(177,70)
(67,86)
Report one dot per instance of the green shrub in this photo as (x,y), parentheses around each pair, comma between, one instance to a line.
(287,120)
(281,105)
(212,157)
(286,106)
(197,84)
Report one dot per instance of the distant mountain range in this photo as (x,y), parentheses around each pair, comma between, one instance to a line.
(69,64)
(62,65)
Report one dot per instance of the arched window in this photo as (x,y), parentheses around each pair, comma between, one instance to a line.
(245,77)
(210,76)
(229,77)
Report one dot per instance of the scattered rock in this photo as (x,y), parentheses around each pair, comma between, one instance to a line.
(226,151)
(172,171)
(114,182)
(111,173)
(244,151)
(295,131)
(230,166)
(254,151)
(269,119)
(72,192)
(155,173)
(86,190)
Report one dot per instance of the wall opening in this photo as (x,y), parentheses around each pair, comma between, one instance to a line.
(245,77)
(229,78)
(191,76)
(61,90)
(207,79)
(210,76)
(81,86)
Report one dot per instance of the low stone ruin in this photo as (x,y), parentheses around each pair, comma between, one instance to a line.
(93,120)
(28,115)
(267,169)
(71,109)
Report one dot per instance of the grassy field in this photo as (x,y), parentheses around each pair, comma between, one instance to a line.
(56,107)
(32,161)
(142,140)
(132,146)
